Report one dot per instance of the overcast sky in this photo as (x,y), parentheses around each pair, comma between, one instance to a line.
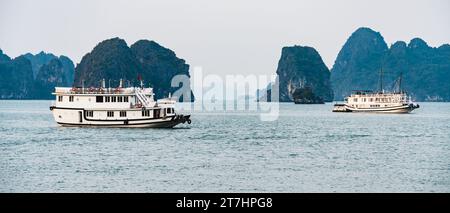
(230,36)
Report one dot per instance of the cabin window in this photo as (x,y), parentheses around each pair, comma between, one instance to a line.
(156,113)
(110,113)
(107,99)
(113,99)
(90,113)
(123,113)
(168,110)
(60,98)
(119,99)
(145,113)
(371,99)
(355,99)
(99,99)
(70,98)
(125,99)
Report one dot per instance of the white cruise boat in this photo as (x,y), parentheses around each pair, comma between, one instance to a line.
(368,101)
(382,102)
(114,107)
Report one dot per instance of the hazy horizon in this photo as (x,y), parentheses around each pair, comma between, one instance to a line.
(227,37)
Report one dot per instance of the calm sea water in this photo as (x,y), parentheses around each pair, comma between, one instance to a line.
(308,149)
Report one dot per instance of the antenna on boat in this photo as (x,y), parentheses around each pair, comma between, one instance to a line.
(139,78)
(381,79)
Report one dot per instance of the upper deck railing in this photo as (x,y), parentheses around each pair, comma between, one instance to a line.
(96,91)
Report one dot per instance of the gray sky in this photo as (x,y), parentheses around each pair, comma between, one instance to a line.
(229,36)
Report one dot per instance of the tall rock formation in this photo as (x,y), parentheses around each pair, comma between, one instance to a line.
(159,66)
(33,76)
(425,69)
(16,77)
(301,67)
(358,64)
(113,60)
(38,60)
(49,76)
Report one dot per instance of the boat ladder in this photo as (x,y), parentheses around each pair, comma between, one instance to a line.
(142,98)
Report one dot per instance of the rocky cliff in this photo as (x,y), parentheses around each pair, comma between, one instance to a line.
(16,78)
(301,67)
(425,69)
(113,60)
(49,76)
(159,65)
(33,76)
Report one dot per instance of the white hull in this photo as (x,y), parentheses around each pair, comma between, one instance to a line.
(78,118)
(398,109)
(166,124)
(131,107)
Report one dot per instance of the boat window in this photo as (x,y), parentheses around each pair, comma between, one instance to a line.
(146,113)
(355,99)
(107,99)
(90,113)
(156,113)
(125,99)
(70,98)
(123,113)
(110,113)
(113,99)
(99,99)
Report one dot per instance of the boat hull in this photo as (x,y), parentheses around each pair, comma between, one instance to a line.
(74,117)
(396,109)
(165,124)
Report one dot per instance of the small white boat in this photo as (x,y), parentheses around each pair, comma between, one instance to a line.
(114,107)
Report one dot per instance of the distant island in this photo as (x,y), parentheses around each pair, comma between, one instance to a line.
(35,76)
(425,70)
(113,59)
(302,76)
